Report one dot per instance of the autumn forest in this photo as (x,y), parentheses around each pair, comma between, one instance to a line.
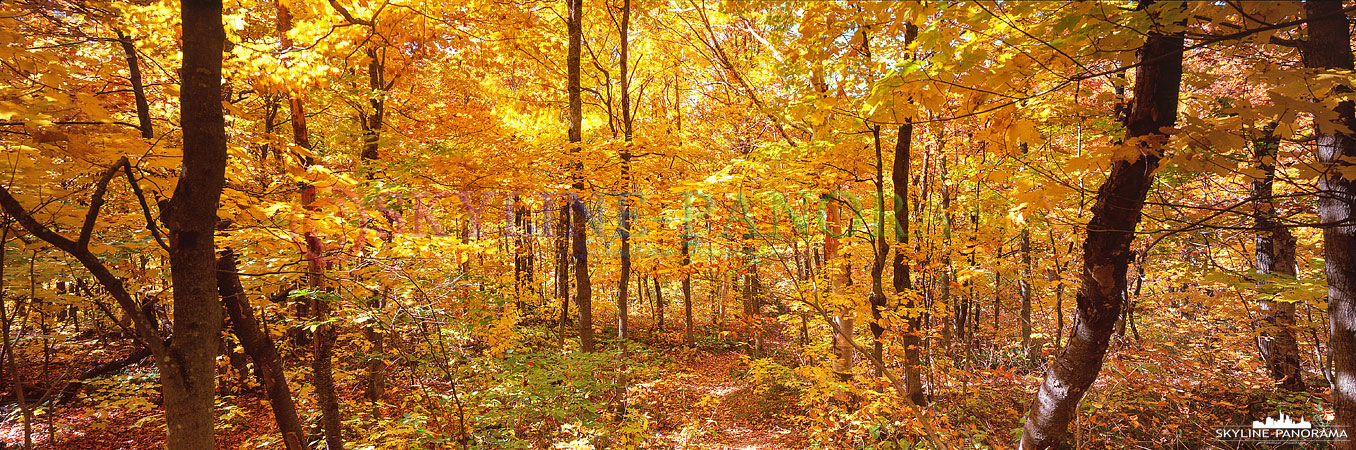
(677,224)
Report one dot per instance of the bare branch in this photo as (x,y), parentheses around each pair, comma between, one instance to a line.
(96,202)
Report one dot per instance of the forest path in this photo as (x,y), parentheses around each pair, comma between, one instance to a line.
(704,405)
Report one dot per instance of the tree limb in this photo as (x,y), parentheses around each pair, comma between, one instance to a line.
(145,332)
(145,208)
(347,16)
(96,202)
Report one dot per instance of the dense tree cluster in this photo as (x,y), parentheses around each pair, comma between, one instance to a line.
(409,223)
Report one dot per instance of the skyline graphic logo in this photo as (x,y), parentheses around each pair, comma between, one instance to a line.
(1282,422)
(1282,429)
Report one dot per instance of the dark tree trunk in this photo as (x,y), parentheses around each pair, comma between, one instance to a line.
(1106,250)
(752,304)
(901,280)
(191,218)
(997,294)
(138,89)
(69,392)
(300,136)
(1059,289)
(643,294)
(145,331)
(322,364)
(1329,47)
(523,282)
(1024,286)
(624,280)
(687,284)
(624,226)
(686,245)
(913,374)
(371,124)
(574,22)
(1275,256)
(584,296)
(944,281)
(972,303)
(882,251)
(563,269)
(658,303)
(261,349)
(374,383)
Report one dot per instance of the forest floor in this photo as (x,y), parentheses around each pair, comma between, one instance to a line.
(715,397)
(135,423)
(704,405)
(119,411)
(700,400)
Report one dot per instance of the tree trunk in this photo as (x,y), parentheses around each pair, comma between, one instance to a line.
(642,294)
(188,373)
(687,284)
(1276,256)
(579,217)
(725,284)
(970,299)
(623,292)
(1329,47)
(843,317)
(322,364)
(261,349)
(624,280)
(1024,287)
(1106,250)
(760,297)
(375,381)
(138,89)
(997,294)
(144,330)
(8,356)
(563,269)
(624,226)
(523,283)
(944,281)
(658,303)
(882,251)
(583,297)
(913,374)
(752,305)
(371,124)
(1058,278)
(686,245)
(300,136)
(71,389)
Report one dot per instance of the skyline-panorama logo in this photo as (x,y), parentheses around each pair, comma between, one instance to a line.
(1282,429)
(1282,422)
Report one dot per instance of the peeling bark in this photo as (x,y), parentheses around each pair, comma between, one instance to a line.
(1106,250)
